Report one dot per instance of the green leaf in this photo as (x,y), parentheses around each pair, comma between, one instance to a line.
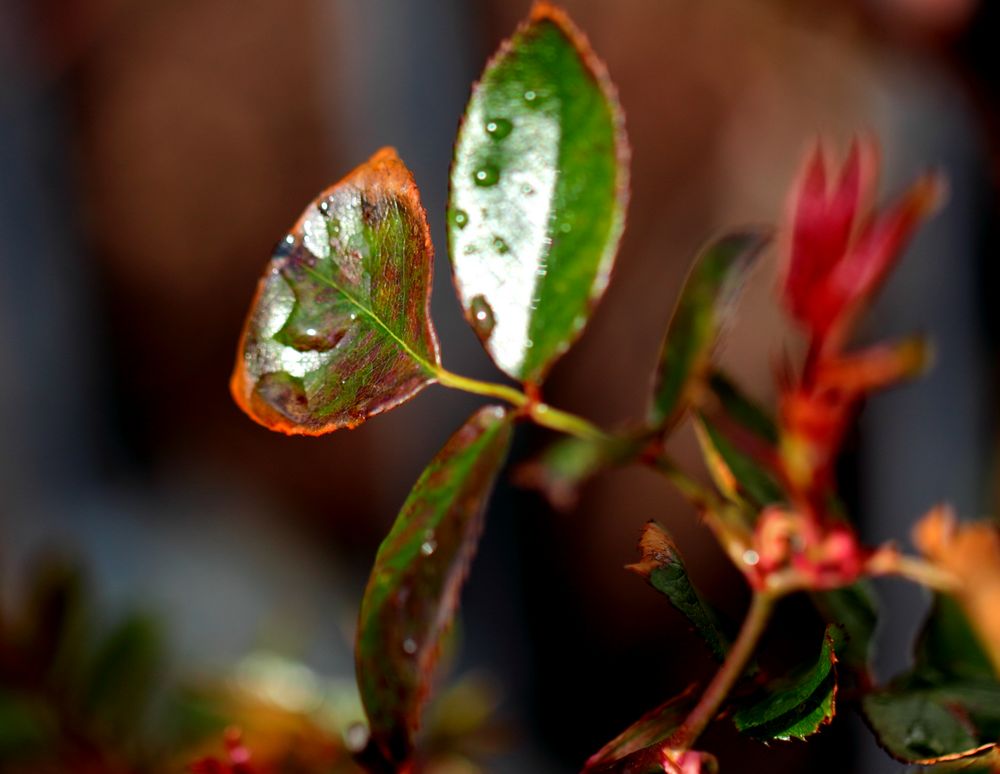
(736,474)
(538,193)
(705,307)
(339,329)
(123,676)
(742,409)
(798,708)
(652,728)
(853,609)
(948,647)
(414,586)
(26,727)
(561,469)
(923,728)
(661,565)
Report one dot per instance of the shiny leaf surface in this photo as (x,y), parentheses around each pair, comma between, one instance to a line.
(799,708)
(339,329)
(538,191)
(661,565)
(414,586)
(704,309)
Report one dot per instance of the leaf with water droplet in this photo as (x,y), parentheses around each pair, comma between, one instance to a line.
(340,327)
(663,568)
(540,163)
(414,586)
(796,707)
(704,307)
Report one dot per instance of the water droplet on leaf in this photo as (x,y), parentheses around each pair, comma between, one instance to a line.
(498,128)
(428,547)
(486,176)
(461,218)
(500,246)
(409,646)
(483,320)
(324,208)
(530,96)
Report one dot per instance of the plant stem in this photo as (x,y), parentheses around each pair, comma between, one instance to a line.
(730,671)
(541,413)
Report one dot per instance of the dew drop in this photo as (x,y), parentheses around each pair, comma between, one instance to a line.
(460,218)
(527,190)
(334,227)
(354,316)
(289,239)
(487,175)
(530,96)
(565,228)
(409,646)
(498,128)
(528,343)
(751,557)
(324,208)
(500,246)
(483,320)
(356,737)
(310,331)
(428,547)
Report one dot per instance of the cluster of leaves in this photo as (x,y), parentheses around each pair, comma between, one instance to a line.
(340,330)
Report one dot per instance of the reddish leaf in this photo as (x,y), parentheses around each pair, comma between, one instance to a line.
(340,327)
(414,586)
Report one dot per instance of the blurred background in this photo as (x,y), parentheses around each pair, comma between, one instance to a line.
(152,153)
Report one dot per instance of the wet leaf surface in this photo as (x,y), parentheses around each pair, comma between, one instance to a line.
(414,587)
(661,565)
(339,329)
(705,307)
(538,192)
(797,708)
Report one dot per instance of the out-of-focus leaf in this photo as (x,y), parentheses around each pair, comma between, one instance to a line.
(561,469)
(853,609)
(661,565)
(340,327)
(798,708)
(922,727)
(652,728)
(742,409)
(122,676)
(705,307)
(948,706)
(736,474)
(25,727)
(538,193)
(949,648)
(414,586)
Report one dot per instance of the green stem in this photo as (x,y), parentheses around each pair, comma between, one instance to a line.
(734,665)
(540,413)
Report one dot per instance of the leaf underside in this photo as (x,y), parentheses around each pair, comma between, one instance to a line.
(413,590)
(705,307)
(799,708)
(538,192)
(339,329)
(661,565)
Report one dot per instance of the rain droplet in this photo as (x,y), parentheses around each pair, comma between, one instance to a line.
(751,557)
(324,208)
(310,331)
(356,737)
(565,228)
(428,547)
(500,246)
(527,190)
(528,343)
(486,176)
(334,228)
(409,646)
(354,316)
(483,320)
(530,96)
(498,128)
(289,239)
(461,218)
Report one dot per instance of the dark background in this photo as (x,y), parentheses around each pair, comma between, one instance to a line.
(151,154)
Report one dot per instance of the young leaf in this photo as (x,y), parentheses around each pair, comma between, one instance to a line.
(853,609)
(560,470)
(414,586)
(798,709)
(743,410)
(705,306)
(652,728)
(661,565)
(735,473)
(538,192)
(339,329)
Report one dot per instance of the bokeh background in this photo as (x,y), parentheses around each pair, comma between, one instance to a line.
(152,153)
